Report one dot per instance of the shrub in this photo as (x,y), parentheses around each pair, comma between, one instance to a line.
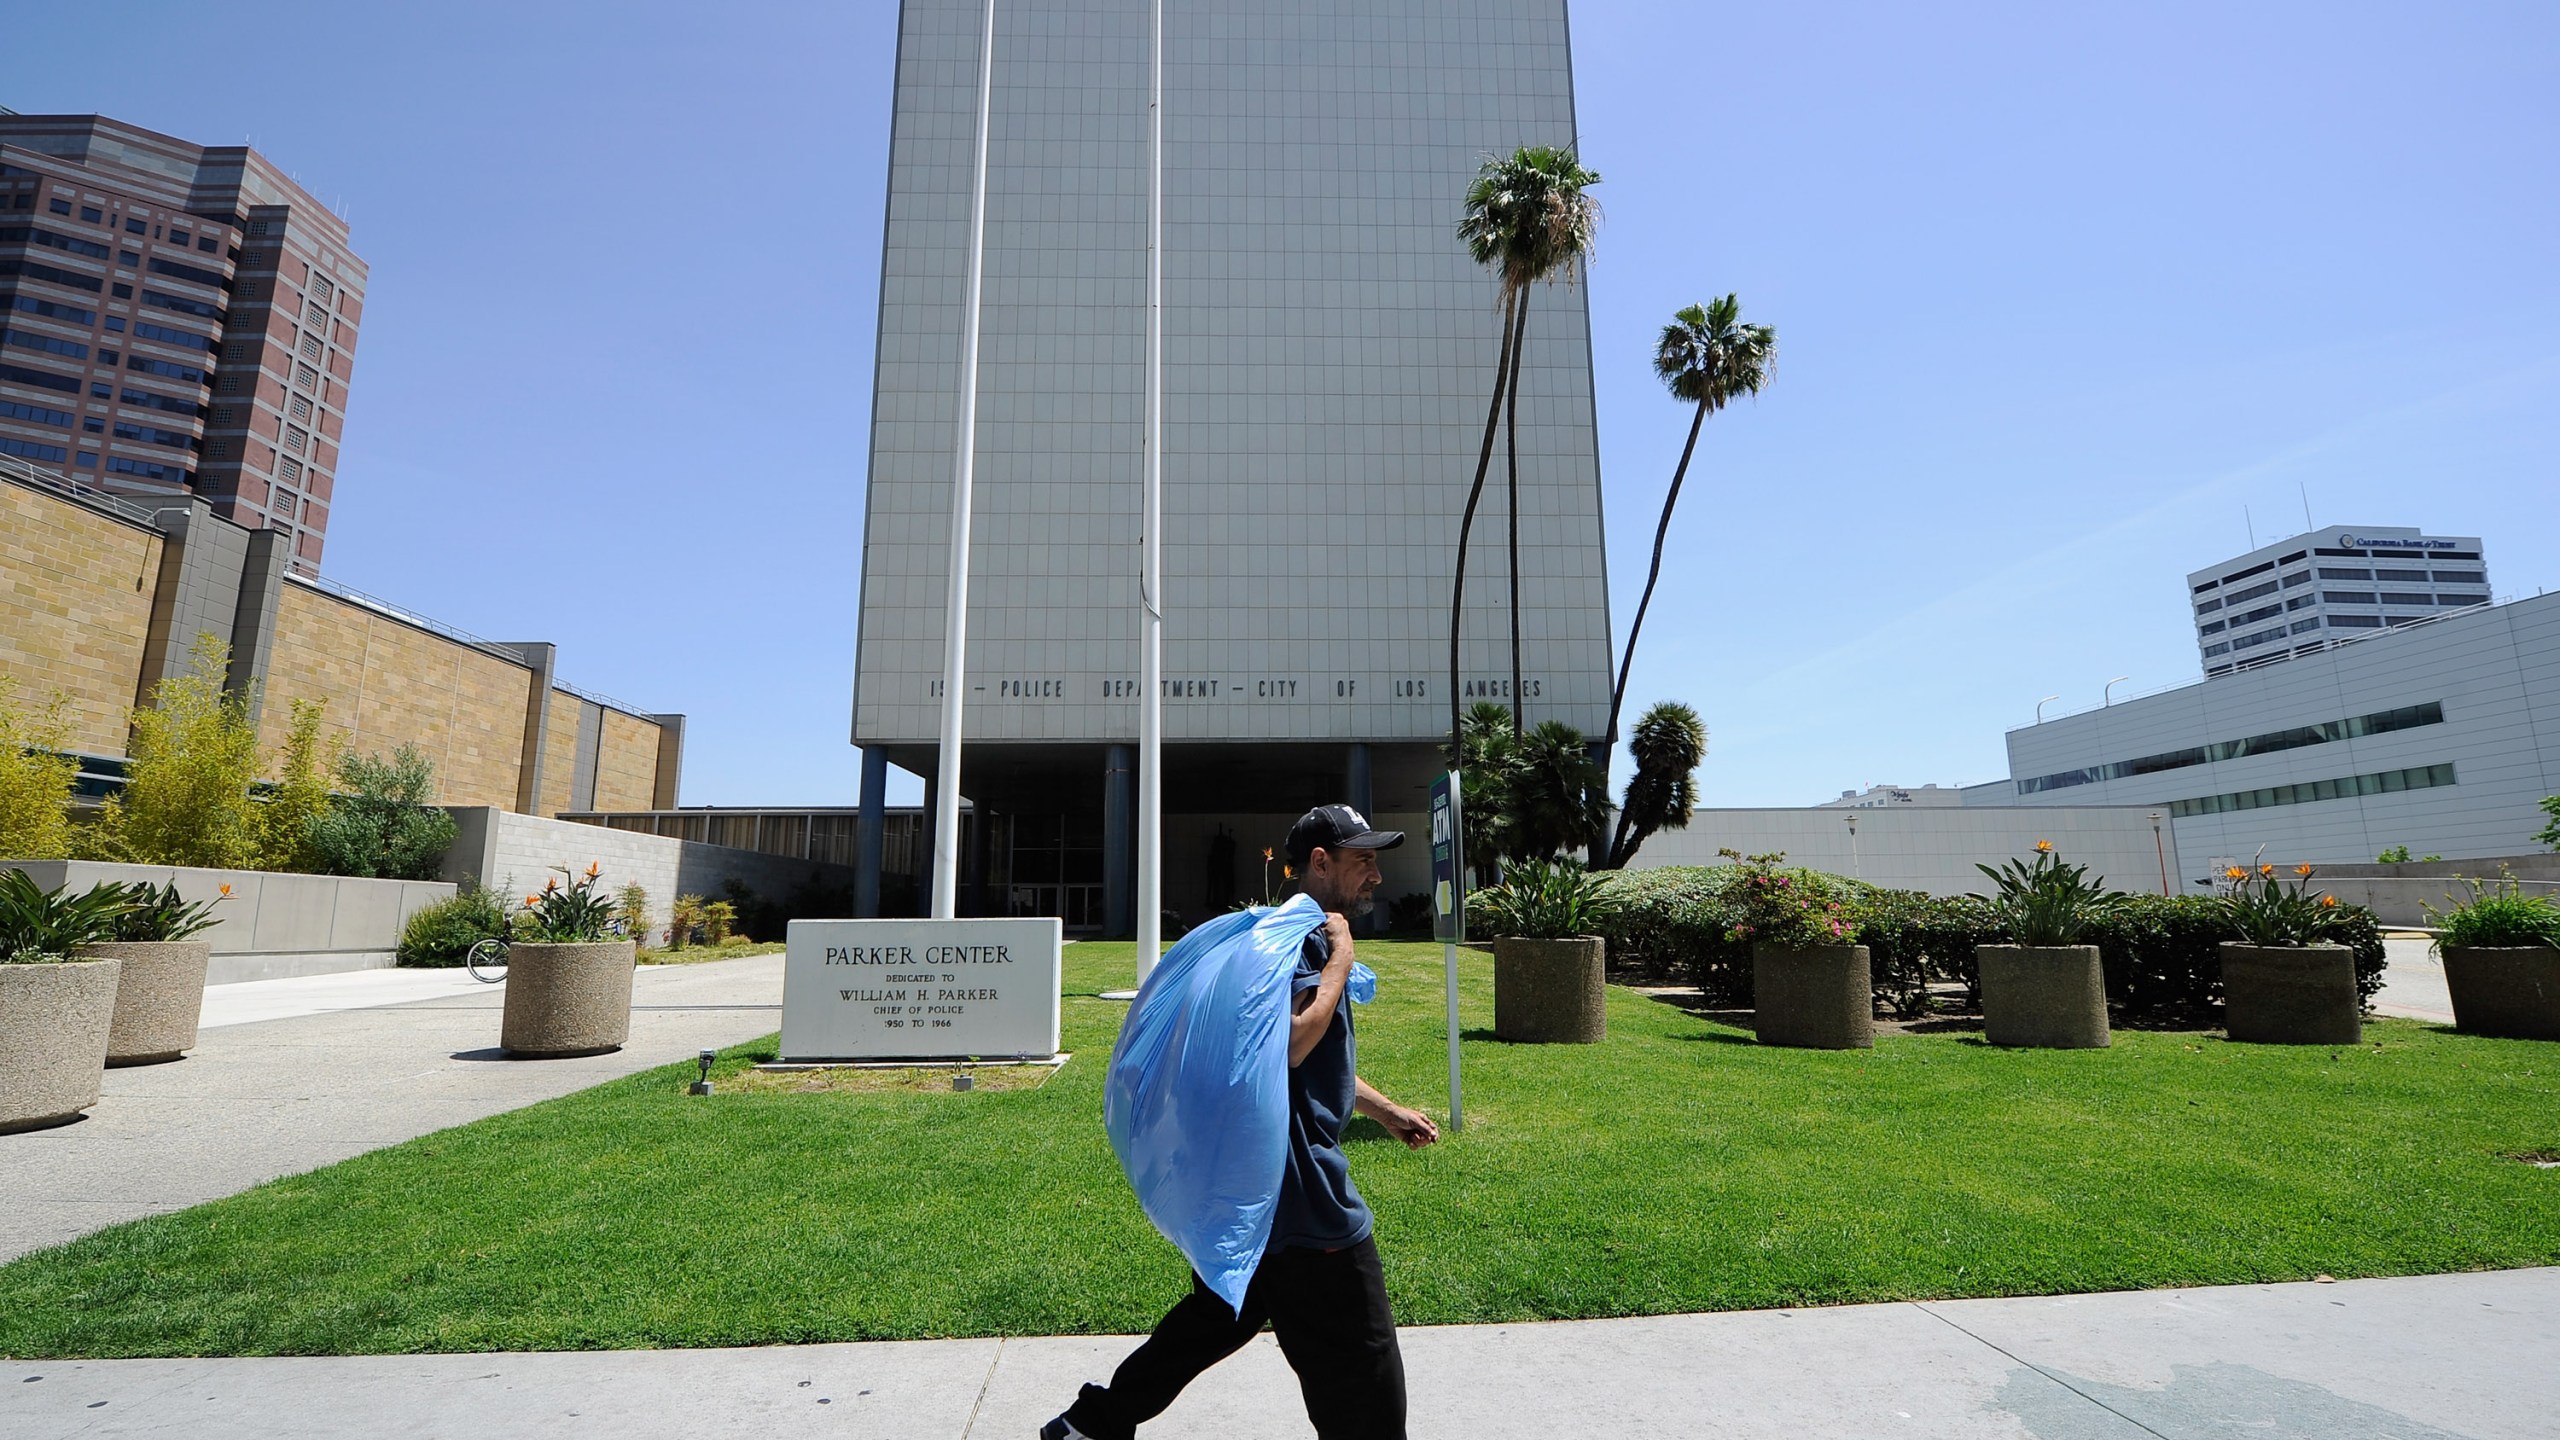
(42,926)
(299,796)
(444,932)
(36,776)
(2265,910)
(2158,952)
(683,919)
(631,911)
(192,759)
(2498,913)
(155,913)
(571,914)
(1543,900)
(717,918)
(383,823)
(2050,903)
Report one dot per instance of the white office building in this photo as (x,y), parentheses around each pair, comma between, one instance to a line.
(2301,595)
(1328,353)
(2439,732)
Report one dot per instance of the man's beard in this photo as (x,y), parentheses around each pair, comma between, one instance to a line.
(1352,907)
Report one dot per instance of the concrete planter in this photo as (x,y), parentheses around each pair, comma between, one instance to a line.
(159,997)
(2510,991)
(2291,994)
(1550,991)
(55,1019)
(565,1000)
(2043,997)
(1817,999)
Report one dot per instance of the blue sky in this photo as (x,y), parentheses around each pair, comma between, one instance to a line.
(2065,299)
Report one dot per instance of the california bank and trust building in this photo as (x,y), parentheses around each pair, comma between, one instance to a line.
(1328,357)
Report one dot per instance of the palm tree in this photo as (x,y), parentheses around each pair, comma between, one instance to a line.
(1487,755)
(1707,356)
(1669,742)
(1527,219)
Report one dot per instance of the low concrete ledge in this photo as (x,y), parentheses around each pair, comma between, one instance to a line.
(275,925)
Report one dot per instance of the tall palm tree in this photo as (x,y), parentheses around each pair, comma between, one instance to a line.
(1706,356)
(1528,219)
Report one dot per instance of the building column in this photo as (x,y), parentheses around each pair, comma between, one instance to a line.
(924,847)
(543,658)
(869,832)
(1119,841)
(974,871)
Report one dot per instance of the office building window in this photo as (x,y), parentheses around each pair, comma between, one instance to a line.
(2299,626)
(94,425)
(128,258)
(296,439)
(182,304)
(300,407)
(85,460)
(35,271)
(306,377)
(2453,599)
(38,235)
(2221,649)
(166,474)
(2417,575)
(54,310)
(2344,572)
(2349,597)
(42,379)
(162,367)
(2395,597)
(152,435)
(92,214)
(176,271)
(97,391)
(58,207)
(2252,593)
(135,227)
(311,348)
(2355,622)
(2298,577)
(109,357)
(205,243)
(2208,607)
(30,340)
(184,339)
(14,410)
(289,471)
(2422,777)
(120,291)
(2380,722)
(2213,629)
(30,450)
(179,237)
(2461,577)
(161,402)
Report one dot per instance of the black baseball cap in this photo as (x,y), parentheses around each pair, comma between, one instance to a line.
(1337,827)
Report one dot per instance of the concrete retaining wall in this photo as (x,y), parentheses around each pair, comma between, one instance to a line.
(274,925)
(503,848)
(1929,847)
(2398,894)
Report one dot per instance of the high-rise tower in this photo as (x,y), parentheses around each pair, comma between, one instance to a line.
(179,320)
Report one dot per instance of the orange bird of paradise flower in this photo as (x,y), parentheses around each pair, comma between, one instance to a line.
(2235,873)
(2302,870)
(2044,847)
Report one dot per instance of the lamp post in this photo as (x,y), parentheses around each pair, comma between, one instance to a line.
(2049,699)
(2161,850)
(1857,869)
(2108,695)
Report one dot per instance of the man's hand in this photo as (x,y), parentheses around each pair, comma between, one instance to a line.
(1412,1127)
(1337,937)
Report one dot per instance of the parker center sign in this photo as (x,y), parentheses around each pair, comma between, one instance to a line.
(920,989)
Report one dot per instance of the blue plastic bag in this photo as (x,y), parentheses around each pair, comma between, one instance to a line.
(1197,1101)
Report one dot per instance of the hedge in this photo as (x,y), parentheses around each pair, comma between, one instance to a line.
(2158,951)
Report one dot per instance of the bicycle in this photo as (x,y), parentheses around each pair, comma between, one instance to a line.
(487,961)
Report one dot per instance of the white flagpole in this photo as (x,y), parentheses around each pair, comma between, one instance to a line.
(955,625)
(1151,538)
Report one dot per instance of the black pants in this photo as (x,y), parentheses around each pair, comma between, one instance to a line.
(1329,1310)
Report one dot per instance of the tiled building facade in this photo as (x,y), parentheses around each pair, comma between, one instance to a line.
(179,320)
(1329,351)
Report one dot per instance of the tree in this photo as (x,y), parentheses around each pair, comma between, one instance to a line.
(189,766)
(37,772)
(300,794)
(1706,356)
(1669,742)
(1559,793)
(1527,219)
(2550,834)
(384,823)
(1485,760)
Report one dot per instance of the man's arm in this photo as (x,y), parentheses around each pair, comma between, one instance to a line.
(1316,1006)
(1410,1126)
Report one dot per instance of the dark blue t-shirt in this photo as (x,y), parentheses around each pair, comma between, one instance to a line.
(1319,1207)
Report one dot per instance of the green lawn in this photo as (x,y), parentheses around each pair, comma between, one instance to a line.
(1679,1167)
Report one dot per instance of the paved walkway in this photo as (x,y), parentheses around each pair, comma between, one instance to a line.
(2459,1357)
(2414,985)
(290,1075)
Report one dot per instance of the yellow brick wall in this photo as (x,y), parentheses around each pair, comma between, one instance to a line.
(75,611)
(560,755)
(385,683)
(626,763)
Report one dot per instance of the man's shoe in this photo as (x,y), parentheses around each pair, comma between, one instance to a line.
(1059,1429)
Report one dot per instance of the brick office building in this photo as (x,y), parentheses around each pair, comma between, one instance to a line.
(179,319)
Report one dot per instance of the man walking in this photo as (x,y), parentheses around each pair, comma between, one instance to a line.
(1319,1285)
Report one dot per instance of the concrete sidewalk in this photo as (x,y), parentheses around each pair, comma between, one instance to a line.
(319,1080)
(2456,1357)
